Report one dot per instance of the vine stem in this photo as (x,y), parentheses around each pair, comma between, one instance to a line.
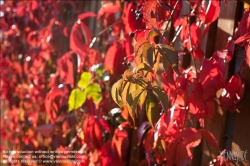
(208,147)
(191,46)
(170,18)
(102,31)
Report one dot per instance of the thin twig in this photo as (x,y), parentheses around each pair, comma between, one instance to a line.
(177,34)
(102,31)
(170,18)
(209,150)
(185,119)
(191,45)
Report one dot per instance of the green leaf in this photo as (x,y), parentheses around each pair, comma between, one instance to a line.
(84,79)
(162,97)
(97,97)
(76,99)
(152,108)
(115,91)
(91,88)
(99,71)
(94,91)
(152,33)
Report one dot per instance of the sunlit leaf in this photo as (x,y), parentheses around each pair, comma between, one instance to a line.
(152,33)
(115,92)
(84,79)
(97,97)
(128,88)
(152,108)
(127,74)
(142,47)
(143,66)
(76,99)
(93,88)
(94,91)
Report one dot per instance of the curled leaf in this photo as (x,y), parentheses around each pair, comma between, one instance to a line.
(152,33)
(144,127)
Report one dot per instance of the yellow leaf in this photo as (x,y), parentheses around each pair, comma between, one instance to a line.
(115,91)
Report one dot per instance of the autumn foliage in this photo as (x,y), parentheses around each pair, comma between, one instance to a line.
(64,92)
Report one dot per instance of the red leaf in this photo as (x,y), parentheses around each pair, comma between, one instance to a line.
(86,15)
(232,94)
(179,115)
(177,11)
(114,58)
(45,55)
(103,124)
(32,38)
(55,99)
(65,68)
(148,142)
(46,129)
(150,14)
(202,14)
(209,137)
(80,37)
(106,154)
(248,54)
(88,60)
(108,8)
(96,135)
(196,102)
(168,80)
(244,38)
(179,151)
(211,77)
(120,142)
(213,11)
(184,154)
(34,5)
(129,19)
(180,98)
(244,25)
(225,54)
(92,132)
